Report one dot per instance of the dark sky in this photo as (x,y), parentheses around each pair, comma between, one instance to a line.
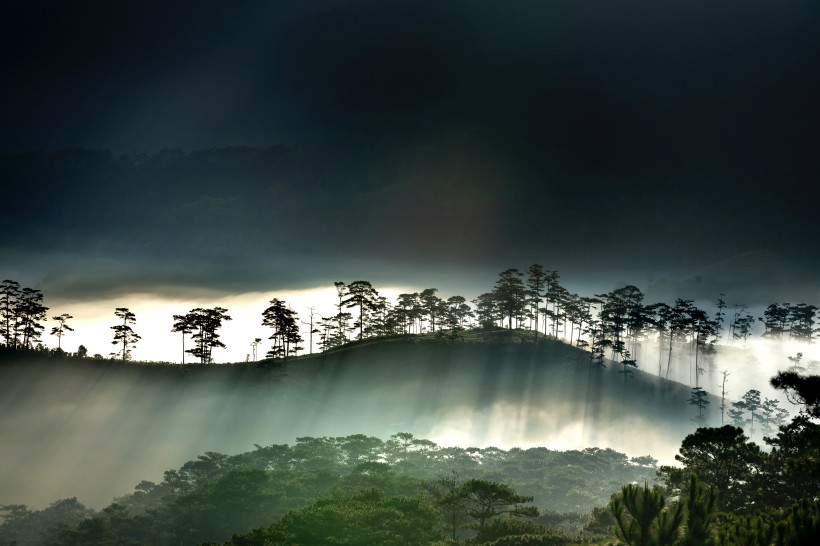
(254,145)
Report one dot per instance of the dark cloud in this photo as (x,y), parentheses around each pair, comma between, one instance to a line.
(642,139)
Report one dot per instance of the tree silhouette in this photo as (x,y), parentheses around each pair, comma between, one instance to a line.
(407,310)
(123,333)
(285,327)
(702,328)
(741,325)
(800,389)
(698,398)
(510,295)
(725,375)
(487,310)
(722,457)
(381,319)
(9,295)
(659,316)
(679,325)
(553,296)
(312,314)
(60,330)
(772,416)
(432,305)
(628,365)
(204,324)
(775,319)
(486,500)
(29,311)
(360,294)
(183,325)
(720,316)
(342,318)
(802,321)
(597,345)
(749,402)
(457,311)
(623,316)
(450,500)
(536,283)
(578,312)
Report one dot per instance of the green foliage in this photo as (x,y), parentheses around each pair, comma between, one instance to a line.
(369,517)
(801,526)
(792,469)
(600,524)
(642,518)
(747,531)
(508,527)
(700,505)
(24,527)
(721,457)
(485,500)
(546,539)
(215,496)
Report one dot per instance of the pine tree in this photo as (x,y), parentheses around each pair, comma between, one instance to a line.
(487,310)
(123,333)
(720,316)
(60,330)
(699,398)
(536,283)
(204,324)
(641,518)
(510,295)
(285,327)
(29,311)
(432,305)
(701,505)
(361,294)
(182,324)
(312,329)
(9,294)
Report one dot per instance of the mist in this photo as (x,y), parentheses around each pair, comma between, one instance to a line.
(96,429)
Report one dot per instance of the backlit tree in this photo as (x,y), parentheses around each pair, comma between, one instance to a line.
(123,333)
(61,328)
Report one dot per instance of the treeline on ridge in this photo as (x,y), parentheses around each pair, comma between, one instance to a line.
(616,321)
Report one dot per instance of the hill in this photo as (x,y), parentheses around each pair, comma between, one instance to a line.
(93,429)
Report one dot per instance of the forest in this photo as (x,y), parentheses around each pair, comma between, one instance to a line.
(406,490)
(361,489)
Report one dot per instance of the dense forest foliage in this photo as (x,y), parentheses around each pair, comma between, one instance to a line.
(215,496)
(407,490)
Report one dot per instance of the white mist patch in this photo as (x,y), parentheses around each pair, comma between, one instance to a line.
(557,427)
(750,365)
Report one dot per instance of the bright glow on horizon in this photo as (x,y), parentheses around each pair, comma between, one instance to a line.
(93,320)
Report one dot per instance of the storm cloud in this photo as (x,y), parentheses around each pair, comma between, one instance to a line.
(241,146)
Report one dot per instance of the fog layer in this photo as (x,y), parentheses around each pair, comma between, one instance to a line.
(96,429)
